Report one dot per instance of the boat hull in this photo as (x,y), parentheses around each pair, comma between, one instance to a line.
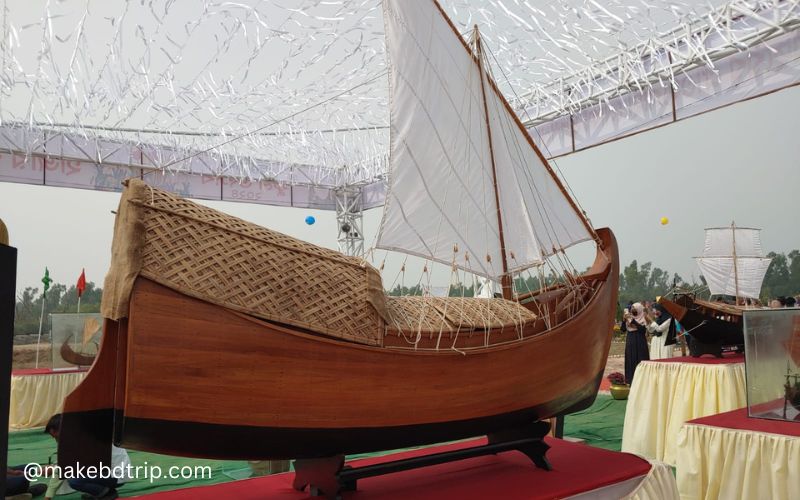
(184,377)
(705,323)
(231,442)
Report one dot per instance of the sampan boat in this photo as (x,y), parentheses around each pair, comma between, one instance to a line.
(733,264)
(711,325)
(228,340)
(76,358)
(220,355)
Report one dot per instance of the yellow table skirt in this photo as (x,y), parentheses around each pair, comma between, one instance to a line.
(35,398)
(717,462)
(664,395)
(658,484)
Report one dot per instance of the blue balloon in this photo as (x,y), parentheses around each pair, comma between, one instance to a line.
(310,220)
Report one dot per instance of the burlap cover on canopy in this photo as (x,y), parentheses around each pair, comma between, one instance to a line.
(226,261)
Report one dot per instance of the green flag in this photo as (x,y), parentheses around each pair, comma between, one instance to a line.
(46,280)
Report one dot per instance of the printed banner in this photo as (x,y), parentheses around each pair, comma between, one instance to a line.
(264,192)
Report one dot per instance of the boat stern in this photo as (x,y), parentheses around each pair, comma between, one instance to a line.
(87,424)
(675,309)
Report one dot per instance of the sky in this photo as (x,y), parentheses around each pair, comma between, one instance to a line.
(740,163)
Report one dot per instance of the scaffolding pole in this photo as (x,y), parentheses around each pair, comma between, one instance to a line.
(349,218)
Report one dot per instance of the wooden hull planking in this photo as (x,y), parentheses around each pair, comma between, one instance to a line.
(184,377)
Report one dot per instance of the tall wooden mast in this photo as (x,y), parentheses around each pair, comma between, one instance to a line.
(505,279)
(735,268)
(528,138)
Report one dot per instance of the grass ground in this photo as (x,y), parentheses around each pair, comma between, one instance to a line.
(599,425)
(35,446)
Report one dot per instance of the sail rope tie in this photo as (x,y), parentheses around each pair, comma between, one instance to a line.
(693,329)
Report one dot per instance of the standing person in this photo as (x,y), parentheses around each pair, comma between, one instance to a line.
(635,340)
(625,313)
(662,328)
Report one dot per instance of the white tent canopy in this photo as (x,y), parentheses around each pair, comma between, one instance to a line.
(736,52)
(259,94)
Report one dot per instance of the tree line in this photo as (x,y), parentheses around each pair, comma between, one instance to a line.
(646,282)
(637,282)
(783,276)
(60,299)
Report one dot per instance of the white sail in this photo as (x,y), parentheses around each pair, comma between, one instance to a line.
(719,242)
(721,279)
(442,203)
(717,262)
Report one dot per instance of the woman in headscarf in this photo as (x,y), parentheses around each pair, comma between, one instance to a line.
(662,328)
(635,339)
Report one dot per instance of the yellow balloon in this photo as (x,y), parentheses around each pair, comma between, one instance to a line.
(664,221)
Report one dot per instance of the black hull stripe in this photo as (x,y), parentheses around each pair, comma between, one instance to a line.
(228,442)
(714,331)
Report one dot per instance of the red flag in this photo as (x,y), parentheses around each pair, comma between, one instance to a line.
(81,286)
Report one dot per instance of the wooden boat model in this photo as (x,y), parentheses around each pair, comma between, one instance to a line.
(188,371)
(732,264)
(69,355)
(711,325)
(227,340)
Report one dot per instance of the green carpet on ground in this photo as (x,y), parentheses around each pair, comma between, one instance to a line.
(600,425)
(35,446)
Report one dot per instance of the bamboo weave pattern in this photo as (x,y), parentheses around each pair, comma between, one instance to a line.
(204,253)
(224,260)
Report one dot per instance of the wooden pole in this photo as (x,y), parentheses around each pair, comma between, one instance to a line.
(41,320)
(505,279)
(522,128)
(76,342)
(672,93)
(735,268)
(8,285)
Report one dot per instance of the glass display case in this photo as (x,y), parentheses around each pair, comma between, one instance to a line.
(75,339)
(772,363)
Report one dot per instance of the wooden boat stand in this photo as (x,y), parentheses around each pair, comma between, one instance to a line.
(697,348)
(329,477)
